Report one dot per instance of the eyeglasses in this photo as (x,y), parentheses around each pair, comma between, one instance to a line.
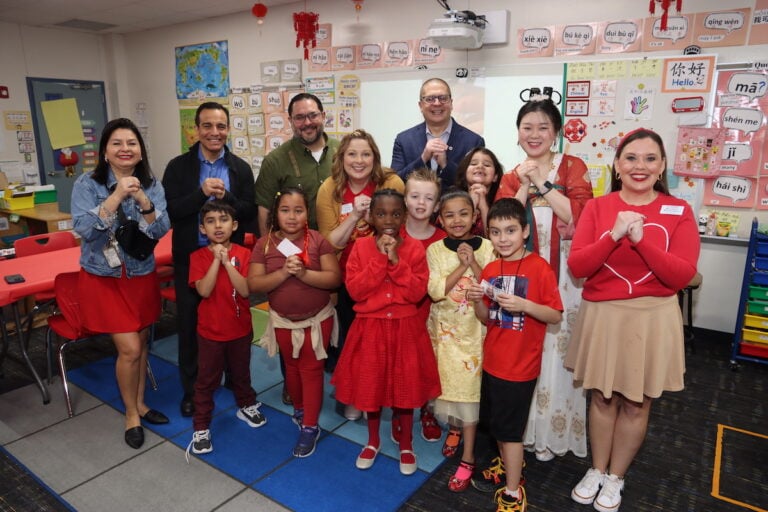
(442,99)
(312,116)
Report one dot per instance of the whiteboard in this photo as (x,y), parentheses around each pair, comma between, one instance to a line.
(487,105)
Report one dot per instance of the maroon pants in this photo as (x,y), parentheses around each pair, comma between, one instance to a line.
(304,375)
(212,358)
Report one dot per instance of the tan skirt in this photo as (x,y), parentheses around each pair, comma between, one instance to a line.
(633,347)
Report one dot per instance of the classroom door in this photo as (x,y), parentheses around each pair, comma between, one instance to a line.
(92,107)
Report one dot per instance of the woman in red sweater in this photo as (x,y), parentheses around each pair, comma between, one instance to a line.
(636,246)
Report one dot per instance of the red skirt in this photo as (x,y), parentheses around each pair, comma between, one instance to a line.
(112,305)
(387,363)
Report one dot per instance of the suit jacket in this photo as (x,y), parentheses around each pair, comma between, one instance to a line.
(409,144)
(181,181)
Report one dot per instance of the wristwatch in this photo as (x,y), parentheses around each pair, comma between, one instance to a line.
(148,210)
(547,187)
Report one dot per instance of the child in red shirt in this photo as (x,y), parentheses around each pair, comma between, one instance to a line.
(297,268)
(516,298)
(224,329)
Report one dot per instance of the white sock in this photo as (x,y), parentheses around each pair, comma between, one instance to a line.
(515,494)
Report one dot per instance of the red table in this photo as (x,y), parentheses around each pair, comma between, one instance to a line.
(39,272)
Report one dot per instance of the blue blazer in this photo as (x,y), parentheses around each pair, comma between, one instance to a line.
(406,154)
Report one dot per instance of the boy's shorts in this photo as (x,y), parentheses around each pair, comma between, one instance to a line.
(504,404)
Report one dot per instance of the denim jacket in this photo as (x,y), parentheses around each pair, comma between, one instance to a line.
(87,196)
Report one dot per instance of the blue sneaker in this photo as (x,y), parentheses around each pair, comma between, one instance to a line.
(307,442)
(298,417)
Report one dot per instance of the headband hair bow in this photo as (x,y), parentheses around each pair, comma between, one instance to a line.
(627,135)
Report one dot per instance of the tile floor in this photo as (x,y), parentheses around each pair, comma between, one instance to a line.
(85,460)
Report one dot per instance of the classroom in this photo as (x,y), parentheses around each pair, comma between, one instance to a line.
(610,71)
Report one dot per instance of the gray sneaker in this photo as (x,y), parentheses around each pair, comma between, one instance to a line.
(252,416)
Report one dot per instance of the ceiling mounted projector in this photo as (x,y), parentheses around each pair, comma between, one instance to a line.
(457,30)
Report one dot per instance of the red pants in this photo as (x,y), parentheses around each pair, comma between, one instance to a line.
(212,358)
(304,375)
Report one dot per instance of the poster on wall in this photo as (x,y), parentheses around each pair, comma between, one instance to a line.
(758,34)
(721,28)
(202,71)
(741,109)
(678,36)
(620,36)
(623,95)
(535,42)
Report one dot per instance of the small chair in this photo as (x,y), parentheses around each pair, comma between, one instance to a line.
(687,292)
(68,325)
(38,244)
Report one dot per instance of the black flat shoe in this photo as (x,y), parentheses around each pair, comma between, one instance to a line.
(187,406)
(134,437)
(154,417)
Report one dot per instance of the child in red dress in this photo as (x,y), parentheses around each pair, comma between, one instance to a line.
(388,359)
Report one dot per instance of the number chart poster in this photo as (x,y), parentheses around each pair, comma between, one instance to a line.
(604,100)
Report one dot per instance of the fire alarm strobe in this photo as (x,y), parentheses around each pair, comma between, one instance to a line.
(689,104)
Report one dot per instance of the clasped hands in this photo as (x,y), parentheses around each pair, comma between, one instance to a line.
(629,224)
(214,187)
(529,174)
(387,245)
(131,186)
(437,149)
(294,266)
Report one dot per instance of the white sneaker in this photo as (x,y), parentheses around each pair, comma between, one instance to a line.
(586,490)
(352,413)
(252,416)
(609,498)
(201,443)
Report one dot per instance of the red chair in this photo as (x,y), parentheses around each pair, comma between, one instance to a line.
(38,244)
(68,325)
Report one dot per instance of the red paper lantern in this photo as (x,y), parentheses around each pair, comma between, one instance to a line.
(358,7)
(259,10)
(306,26)
(665,5)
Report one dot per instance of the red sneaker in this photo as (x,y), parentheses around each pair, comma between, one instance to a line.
(430,430)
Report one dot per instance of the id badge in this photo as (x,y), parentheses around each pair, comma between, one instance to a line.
(112,256)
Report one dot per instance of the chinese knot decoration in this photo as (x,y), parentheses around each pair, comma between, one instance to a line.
(305,25)
(259,10)
(665,4)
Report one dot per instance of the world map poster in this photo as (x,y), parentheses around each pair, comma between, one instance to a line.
(202,71)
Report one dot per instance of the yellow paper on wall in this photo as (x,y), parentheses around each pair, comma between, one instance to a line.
(62,121)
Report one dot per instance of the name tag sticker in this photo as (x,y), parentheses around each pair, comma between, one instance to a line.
(671,209)
(346,208)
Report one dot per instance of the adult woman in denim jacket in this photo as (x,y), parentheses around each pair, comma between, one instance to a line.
(110,277)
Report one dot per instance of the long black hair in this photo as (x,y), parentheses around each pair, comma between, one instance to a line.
(141,171)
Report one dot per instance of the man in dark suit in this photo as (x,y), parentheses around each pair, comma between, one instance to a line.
(208,170)
(439,143)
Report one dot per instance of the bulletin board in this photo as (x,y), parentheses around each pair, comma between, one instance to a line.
(606,99)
